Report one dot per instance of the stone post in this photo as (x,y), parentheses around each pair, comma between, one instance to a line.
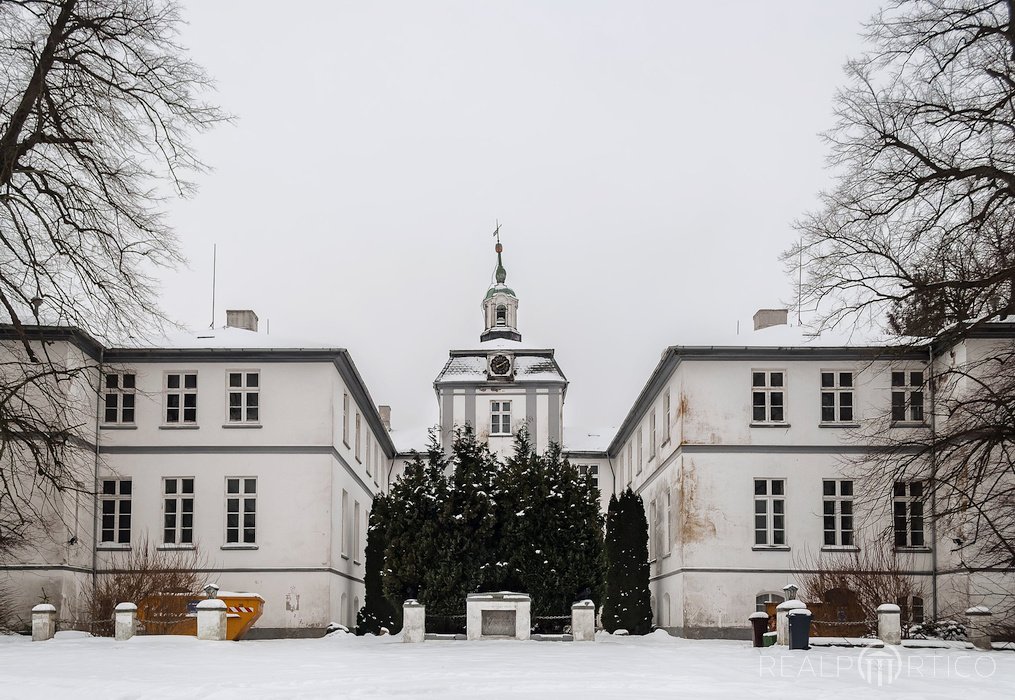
(125,625)
(979,624)
(782,620)
(413,621)
(583,621)
(889,623)
(43,622)
(211,619)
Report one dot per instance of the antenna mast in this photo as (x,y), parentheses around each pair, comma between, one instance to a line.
(214,265)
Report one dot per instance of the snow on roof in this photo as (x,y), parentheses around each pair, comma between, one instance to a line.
(409,439)
(230,338)
(530,367)
(581,439)
(785,335)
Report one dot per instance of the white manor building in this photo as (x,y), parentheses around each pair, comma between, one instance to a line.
(264,455)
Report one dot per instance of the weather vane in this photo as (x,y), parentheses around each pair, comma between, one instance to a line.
(496,232)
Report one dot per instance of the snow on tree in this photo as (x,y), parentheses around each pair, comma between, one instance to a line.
(628,604)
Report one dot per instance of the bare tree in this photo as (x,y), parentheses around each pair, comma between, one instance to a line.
(97,104)
(917,237)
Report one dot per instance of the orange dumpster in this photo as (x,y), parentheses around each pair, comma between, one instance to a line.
(175,613)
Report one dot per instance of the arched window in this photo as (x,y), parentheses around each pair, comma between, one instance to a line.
(664,613)
(501,315)
(761,602)
(343,613)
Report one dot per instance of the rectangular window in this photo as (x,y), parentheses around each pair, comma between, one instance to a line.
(641,445)
(345,418)
(119,398)
(770,512)
(359,433)
(652,531)
(907,512)
(500,418)
(837,512)
(181,397)
(836,397)
(666,416)
(244,396)
(769,396)
(592,471)
(241,510)
(346,529)
(669,519)
(178,510)
(630,462)
(907,396)
(356,532)
(115,505)
(652,434)
(370,456)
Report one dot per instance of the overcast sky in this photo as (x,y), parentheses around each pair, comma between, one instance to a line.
(646,161)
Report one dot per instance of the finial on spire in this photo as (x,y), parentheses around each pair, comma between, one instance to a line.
(501,274)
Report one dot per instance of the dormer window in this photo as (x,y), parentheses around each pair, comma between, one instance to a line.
(501,315)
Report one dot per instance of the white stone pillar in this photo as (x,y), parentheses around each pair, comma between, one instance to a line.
(413,621)
(523,618)
(43,622)
(125,621)
(583,621)
(782,620)
(889,623)
(979,624)
(211,619)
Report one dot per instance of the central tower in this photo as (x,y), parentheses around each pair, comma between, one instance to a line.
(502,386)
(500,305)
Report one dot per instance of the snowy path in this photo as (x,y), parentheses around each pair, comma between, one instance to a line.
(656,666)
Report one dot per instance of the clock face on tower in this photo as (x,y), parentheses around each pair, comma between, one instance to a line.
(500,365)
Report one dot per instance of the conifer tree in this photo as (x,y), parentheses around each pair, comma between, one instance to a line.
(466,549)
(377,610)
(551,541)
(415,506)
(628,604)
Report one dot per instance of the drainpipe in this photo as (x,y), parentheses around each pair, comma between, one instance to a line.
(95,480)
(933,479)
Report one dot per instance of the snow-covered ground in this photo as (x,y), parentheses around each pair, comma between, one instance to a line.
(656,666)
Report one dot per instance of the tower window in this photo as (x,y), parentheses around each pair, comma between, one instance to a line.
(501,315)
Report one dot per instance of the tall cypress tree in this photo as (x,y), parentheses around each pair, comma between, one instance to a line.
(628,604)
(377,610)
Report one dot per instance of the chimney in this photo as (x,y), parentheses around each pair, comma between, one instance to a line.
(385,412)
(765,318)
(241,318)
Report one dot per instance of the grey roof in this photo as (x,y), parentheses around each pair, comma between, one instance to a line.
(469,366)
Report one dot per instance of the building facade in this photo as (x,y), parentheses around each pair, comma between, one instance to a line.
(262,457)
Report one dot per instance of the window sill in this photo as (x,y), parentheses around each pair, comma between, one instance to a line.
(239,546)
(117,426)
(345,556)
(769,425)
(357,562)
(770,548)
(840,548)
(500,435)
(838,425)
(241,426)
(910,424)
(169,547)
(922,549)
(346,443)
(112,547)
(185,426)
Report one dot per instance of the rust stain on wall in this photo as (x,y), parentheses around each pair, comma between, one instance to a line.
(695,523)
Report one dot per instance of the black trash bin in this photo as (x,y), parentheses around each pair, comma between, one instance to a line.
(759,625)
(800,629)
